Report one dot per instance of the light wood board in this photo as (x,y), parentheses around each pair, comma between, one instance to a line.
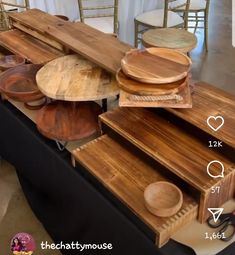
(73,78)
(102,49)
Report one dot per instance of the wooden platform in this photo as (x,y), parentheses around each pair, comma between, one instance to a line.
(183,154)
(102,49)
(126,175)
(211,101)
(28,47)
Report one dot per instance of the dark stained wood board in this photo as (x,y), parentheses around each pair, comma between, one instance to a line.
(126,176)
(102,49)
(26,46)
(184,155)
(66,121)
(211,101)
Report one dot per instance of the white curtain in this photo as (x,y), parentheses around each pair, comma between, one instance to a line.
(128,10)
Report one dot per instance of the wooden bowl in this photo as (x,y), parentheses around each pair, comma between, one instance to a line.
(10,61)
(19,83)
(163,199)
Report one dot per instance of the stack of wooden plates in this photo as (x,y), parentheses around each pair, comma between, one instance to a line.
(155,77)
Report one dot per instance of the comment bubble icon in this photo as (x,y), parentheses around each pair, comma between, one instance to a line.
(212,164)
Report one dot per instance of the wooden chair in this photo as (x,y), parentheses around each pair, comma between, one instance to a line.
(7,6)
(162,18)
(101,17)
(199,13)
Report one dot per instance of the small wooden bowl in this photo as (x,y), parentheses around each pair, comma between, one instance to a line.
(163,199)
(10,61)
(19,83)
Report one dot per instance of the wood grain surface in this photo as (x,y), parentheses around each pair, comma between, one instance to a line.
(126,175)
(66,121)
(156,65)
(19,83)
(178,100)
(171,38)
(102,49)
(183,154)
(146,89)
(28,47)
(211,101)
(73,78)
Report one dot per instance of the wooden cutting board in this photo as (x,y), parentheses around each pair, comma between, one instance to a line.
(66,121)
(73,78)
(146,89)
(156,65)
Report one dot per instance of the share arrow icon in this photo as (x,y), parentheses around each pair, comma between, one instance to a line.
(216,212)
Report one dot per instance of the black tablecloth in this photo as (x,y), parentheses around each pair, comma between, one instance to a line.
(69,202)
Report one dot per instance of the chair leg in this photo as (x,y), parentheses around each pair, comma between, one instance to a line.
(206,31)
(196,25)
(136,33)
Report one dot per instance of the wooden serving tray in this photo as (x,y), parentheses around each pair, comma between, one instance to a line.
(66,121)
(73,78)
(145,89)
(179,151)
(182,99)
(126,175)
(19,83)
(156,65)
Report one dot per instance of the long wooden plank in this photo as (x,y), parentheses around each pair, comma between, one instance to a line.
(102,49)
(28,47)
(126,176)
(211,101)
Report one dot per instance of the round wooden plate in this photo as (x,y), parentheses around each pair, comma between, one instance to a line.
(156,65)
(73,78)
(19,83)
(67,121)
(10,61)
(145,89)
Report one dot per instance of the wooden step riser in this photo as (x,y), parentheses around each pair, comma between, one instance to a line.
(168,145)
(126,176)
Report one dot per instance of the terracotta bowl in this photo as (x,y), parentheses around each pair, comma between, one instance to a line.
(10,61)
(19,83)
(163,199)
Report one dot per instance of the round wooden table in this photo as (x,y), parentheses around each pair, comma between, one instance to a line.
(78,82)
(172,38)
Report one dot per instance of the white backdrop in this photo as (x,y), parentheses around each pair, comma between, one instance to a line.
(128,9)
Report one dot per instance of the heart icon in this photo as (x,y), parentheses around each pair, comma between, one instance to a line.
(215,123)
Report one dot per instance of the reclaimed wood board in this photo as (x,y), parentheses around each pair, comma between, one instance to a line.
(126,175)
(211,101)
(180,152)
(102,49)
(178,100)
(73,78)
(156,65)
(28,47)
